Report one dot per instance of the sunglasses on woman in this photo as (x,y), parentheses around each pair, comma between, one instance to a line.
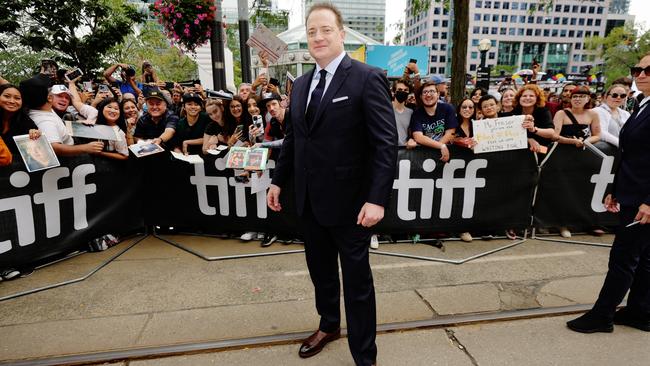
(636,70)
(616,95)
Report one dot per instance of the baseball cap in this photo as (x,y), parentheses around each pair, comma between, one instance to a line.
(192,97)
(59,89)
(437,79)
(155,93)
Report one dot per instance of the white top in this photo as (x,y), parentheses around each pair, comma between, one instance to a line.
(610,125)
(120,144)
(51,126)
(331,69)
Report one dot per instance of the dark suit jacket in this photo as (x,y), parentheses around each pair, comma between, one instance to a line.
(348,154)
(632,182)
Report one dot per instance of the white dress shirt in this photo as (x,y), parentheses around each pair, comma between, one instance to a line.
(331,69)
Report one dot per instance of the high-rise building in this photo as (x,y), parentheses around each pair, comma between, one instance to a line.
(365,16)
(618,14)
(519,31)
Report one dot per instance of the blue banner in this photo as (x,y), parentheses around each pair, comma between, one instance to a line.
(395,58)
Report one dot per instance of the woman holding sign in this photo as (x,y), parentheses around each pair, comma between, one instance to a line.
(530,101)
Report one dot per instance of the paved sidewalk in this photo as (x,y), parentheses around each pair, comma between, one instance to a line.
(156,294)
(533,342)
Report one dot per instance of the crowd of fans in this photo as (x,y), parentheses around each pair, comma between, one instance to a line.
(183,117)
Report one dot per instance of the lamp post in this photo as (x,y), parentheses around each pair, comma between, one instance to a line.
(483,72)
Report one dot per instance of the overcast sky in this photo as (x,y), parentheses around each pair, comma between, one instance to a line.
(395,13)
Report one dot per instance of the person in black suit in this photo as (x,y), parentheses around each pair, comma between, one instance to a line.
(629,259)
(341,148)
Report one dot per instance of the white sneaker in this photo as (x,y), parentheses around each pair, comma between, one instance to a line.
(565,232)
(248,236)
(374,242)
(466,237)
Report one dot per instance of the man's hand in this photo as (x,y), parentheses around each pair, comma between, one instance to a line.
(444,153)
(643,216)
(273,199)
(611,204)
(411,144)
(370,214)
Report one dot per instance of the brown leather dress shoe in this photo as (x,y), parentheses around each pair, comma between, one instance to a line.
(316,342)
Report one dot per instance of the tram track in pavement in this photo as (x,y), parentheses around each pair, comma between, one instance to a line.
(164,351)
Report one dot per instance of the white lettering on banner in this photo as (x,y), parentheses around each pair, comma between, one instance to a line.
(469,183)
(404,183)
(602,179)
(50,197)
(22,205)
(201,181)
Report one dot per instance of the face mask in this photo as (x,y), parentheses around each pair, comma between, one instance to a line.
(401,96)
(411,105)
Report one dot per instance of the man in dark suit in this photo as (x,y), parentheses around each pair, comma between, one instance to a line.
(341,148)
(629,259)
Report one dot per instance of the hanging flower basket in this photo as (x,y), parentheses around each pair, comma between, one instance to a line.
(187,23)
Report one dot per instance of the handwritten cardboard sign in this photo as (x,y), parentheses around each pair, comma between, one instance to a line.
(499,134)
(264,40)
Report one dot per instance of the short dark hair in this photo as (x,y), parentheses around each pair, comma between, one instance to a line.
(326,6)
(485,98)
(35,91)
(569,84)
(401,81)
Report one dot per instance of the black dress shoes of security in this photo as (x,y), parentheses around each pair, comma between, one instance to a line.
(590,323)
(626,317)
(316,342)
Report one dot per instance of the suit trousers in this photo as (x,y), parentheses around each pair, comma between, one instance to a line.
(323,247)
(629,269)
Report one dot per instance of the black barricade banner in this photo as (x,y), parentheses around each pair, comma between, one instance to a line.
(572,187)
(469,192)
(59,210)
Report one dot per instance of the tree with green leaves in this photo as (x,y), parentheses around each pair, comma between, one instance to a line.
(150,44)
(261,13)
(78,33)
(620,50)
(459,39)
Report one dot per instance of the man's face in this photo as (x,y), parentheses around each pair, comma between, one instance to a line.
(429,96)
(643,80)
(324,38)
(156,107)
(176,97)
(60,101)
(274,109)
(566,92)
(244,91)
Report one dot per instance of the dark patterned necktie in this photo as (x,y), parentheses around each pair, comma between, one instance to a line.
(316,96)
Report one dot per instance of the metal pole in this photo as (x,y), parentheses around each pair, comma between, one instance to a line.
(245,51)
(216,48)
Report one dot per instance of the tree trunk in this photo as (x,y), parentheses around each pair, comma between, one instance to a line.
(459,50)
